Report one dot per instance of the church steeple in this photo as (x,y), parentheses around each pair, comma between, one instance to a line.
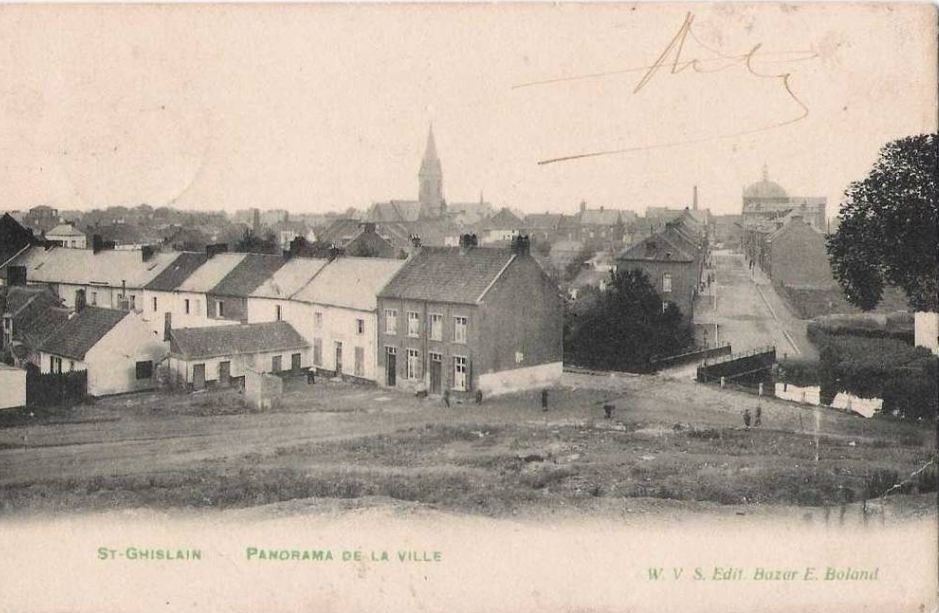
(430,178)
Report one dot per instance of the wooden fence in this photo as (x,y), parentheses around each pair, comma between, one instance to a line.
(55,389)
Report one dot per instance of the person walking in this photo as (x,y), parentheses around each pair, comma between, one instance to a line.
(758,416)
(446,398)
(544,400)
(746,418)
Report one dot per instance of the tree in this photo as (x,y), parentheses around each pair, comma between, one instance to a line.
(888,227)
(624,326)
(252,243)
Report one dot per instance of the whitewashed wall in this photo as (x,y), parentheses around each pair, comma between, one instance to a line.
(12,388)
(926,330)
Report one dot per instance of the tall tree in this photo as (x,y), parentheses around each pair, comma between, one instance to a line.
(888,227)
(623,327)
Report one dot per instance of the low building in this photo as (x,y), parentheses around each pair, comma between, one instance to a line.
(12,387)
(337,312)
(273,299)
(29,316)
(500,228)
(116,348)
(222,355)
(68,236)
(190,304)
(470,318)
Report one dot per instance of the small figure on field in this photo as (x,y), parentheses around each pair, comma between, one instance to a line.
(446,398)
(746,418)
(479,396)
(544,400)
(758,416)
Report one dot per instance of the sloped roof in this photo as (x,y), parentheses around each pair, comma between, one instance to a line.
(448,274)
(543,221)
(248,275)
(14,237)
(211,272)
(177,272)
(394,210)
(655,248)
(350,282)
(290,278)
(36,313)
(74,338)
(600,217)
(65,229)
(503,219)
(195,343)
(84,267)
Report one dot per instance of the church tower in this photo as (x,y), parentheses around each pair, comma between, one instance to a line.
(430,194)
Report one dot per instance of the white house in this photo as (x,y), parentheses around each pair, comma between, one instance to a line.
(926,330)
(183,292)
(70,236)
(222,355)
(271,301)
(111,279)
(116,348)
(337,314)
(12,387)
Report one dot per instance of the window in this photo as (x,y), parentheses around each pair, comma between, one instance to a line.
(133,302)
(391,321)
(186,306)
(55,364)
(664,306)
(459,373)
(317,320)
(276,364)
(414,323)
(94,298)
(296,361)
(154,304)
(667,282)
(71,365)
(459,329)
(317,352)
(360,361)
(360,326)
(144,370)
(219,308)
(436,327)
(277,312)
(414,364)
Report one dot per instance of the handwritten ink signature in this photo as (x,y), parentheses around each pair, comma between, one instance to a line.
(671,57)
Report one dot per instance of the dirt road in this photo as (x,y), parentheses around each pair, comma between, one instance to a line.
(749,313)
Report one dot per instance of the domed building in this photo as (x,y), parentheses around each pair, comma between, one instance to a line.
(767,202)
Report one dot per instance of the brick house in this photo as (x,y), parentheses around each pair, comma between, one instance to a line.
(672,272)
(450,320)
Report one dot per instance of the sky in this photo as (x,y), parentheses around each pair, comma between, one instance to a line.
(318,108)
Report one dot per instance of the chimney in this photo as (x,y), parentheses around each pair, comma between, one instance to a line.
(583,206)
(521,245)
(167,326)
(414,244)
(256,220)
(80,301)
(16,275)
(601,208)
(213,250)
(694,199)
(146,252)
(467,242)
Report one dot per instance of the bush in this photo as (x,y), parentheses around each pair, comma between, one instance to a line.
(905,377)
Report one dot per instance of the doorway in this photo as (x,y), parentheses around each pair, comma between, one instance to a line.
(198,376)
(436,370)
(224,373)
(338,358)
(391,366)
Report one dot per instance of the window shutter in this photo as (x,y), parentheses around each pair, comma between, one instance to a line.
(469,374)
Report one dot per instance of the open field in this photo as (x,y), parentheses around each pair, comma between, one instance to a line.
(670,444)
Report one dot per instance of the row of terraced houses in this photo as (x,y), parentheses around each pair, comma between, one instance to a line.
(444,318)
